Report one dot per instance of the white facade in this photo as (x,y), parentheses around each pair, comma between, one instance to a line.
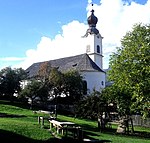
(94,48)
(95,80)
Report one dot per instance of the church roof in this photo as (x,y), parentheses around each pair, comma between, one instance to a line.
(79,62)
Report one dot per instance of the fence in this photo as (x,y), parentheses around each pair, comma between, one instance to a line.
(139,121)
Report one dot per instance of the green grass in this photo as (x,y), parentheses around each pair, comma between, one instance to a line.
(91,130)
(20,124)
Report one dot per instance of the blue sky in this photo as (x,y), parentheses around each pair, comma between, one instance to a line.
(23,22)
(27,25)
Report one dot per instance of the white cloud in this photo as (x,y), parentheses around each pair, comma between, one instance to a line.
(116,17)
(68,43)
(11,59)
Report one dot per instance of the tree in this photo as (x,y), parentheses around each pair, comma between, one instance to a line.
(73,85)
(94,106)
(56,81)
(69,84)
(44,71)
(130,68)
(35,91)
(120,102)
(10,81)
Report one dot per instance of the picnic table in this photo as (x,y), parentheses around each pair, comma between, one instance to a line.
(42,118)
(65,127)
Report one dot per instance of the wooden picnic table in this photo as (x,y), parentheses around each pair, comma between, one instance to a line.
(65,126)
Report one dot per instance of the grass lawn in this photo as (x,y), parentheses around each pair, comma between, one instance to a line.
(19,124)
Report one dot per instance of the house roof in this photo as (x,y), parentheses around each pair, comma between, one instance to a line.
(79,62)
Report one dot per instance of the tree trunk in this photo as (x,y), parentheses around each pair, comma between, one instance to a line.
(124,126)
(101,123)
(132,127)
(31,106)
(127,124)
(55,111)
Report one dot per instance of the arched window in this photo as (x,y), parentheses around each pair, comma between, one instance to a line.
(98,49)
(84,87)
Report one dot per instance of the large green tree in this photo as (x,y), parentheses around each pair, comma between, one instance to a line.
(74,85)
(95,107)
(56,81)
(35,91)
(10,81)
(69,84)
(130,68)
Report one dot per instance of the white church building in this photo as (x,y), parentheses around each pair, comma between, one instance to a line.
(89,64)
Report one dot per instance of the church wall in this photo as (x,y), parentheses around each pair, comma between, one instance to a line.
(95,80)
(93,43)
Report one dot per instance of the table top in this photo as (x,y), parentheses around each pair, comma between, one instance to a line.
(58,123)
(46,112)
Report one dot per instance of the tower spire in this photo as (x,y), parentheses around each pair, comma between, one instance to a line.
(94,40)
(92,21)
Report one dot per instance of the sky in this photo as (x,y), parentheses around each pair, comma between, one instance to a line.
(39,30)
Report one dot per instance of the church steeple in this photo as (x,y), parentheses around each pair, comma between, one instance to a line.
(92,21)
(94,40)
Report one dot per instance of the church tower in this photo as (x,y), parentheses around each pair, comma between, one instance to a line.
(94,41)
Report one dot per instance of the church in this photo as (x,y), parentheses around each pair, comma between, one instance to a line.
(88,64)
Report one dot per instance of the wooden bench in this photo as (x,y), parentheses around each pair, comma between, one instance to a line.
(65,127)
(56,124)
(42,118)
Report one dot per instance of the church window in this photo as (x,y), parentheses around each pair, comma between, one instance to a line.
(98,49)
(84,87)
(102,82)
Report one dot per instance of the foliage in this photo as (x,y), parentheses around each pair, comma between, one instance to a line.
(119,99)
(73,85)
(44,71)
(91,106)
(10,81)
(69,84)
(36,91)
(130,68)
(56,81)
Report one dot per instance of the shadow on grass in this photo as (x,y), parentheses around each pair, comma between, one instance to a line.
(136,134)
(9,137)
(20,104)
(5,115)
(90,131)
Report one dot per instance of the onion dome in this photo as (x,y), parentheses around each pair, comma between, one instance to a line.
(92,19)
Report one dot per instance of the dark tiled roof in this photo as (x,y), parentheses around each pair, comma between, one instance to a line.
(80,62)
